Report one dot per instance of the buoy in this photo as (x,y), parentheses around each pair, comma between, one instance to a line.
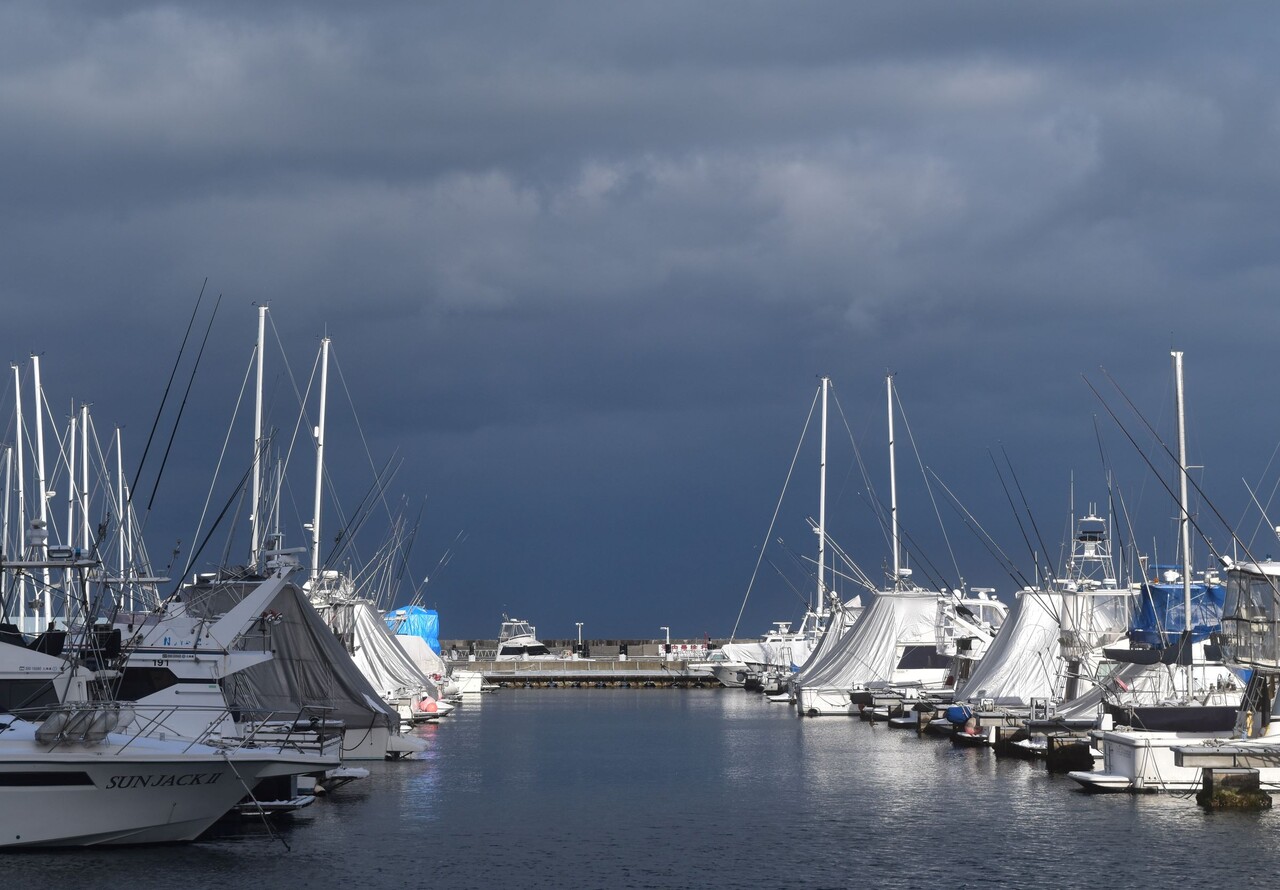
(428,705)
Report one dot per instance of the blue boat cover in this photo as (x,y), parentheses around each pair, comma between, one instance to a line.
(419,622)
(1158,619)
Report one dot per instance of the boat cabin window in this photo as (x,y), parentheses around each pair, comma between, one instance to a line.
(139,682)
(23,695)
(537,650)
(922,658)
(43,779)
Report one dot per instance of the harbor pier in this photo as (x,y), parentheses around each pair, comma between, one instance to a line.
(593,673)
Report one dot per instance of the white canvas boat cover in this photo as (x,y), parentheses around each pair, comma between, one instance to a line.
(419,650)
(1089,702)
(770,653)
(311,667)
(868,653)
(1025,659)
(376,651)
(837,625)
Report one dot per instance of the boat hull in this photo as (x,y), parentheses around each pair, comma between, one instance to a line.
(74,801)
(813,702)
(1144,761)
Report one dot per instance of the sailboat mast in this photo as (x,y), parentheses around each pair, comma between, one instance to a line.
(1185,517)
(41,491)
(84,476)
(254,521)
(893,487)
(822,503)
(73,496)
(21,543)
(120,531)
(319,432)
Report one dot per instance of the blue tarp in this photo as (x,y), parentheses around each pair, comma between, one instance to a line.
(1158,620)
(419,622)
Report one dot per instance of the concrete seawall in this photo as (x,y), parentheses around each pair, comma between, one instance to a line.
(583,673)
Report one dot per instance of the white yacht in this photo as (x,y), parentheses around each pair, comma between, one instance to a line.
(518,641)
(1194,697)
(69,781)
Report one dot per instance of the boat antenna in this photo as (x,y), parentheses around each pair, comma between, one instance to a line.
(182,407)
(1030,516)
(981,533)
(195,553)
(1017,516)
(155,423)
(1151,466)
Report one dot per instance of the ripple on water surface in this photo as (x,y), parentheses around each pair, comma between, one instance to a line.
(630,788)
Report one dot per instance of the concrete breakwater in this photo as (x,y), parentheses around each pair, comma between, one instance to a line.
(592,673)
(591,664)
(689,650)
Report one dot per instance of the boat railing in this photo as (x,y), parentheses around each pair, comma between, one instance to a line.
(304,730)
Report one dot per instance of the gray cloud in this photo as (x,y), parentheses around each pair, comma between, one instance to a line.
(582,262)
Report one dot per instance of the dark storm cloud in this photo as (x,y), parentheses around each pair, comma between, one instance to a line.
(582,261)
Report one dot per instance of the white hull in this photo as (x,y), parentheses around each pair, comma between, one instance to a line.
(812,702)
(467,683)
(1144,761)
(733,676)
(122,791)
(378,743)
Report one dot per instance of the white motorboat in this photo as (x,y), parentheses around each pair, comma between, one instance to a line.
(377,652)
(317,659)
(518,641)
(1190,696)
(68,781)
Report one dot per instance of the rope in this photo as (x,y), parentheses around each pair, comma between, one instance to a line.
(777,508)
(929,488)
(261,812)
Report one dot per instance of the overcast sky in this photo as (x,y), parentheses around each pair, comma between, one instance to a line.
(583,264)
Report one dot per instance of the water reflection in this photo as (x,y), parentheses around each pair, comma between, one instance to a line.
(667,788)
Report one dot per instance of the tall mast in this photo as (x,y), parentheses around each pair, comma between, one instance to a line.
(73,496)
(120,529)
(893,488)
(1185,517)
(319,433)
(254,520)
(21,542)
(822,504)
(8,483)
(40,488)
(84,475)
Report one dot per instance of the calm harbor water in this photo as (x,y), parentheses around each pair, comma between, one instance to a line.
(594,788)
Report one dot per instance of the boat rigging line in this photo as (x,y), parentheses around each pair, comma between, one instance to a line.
(181,408)
(920,463)
(1031,517)
(155,423)
(776,510)
(970,522)
(1147,460)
